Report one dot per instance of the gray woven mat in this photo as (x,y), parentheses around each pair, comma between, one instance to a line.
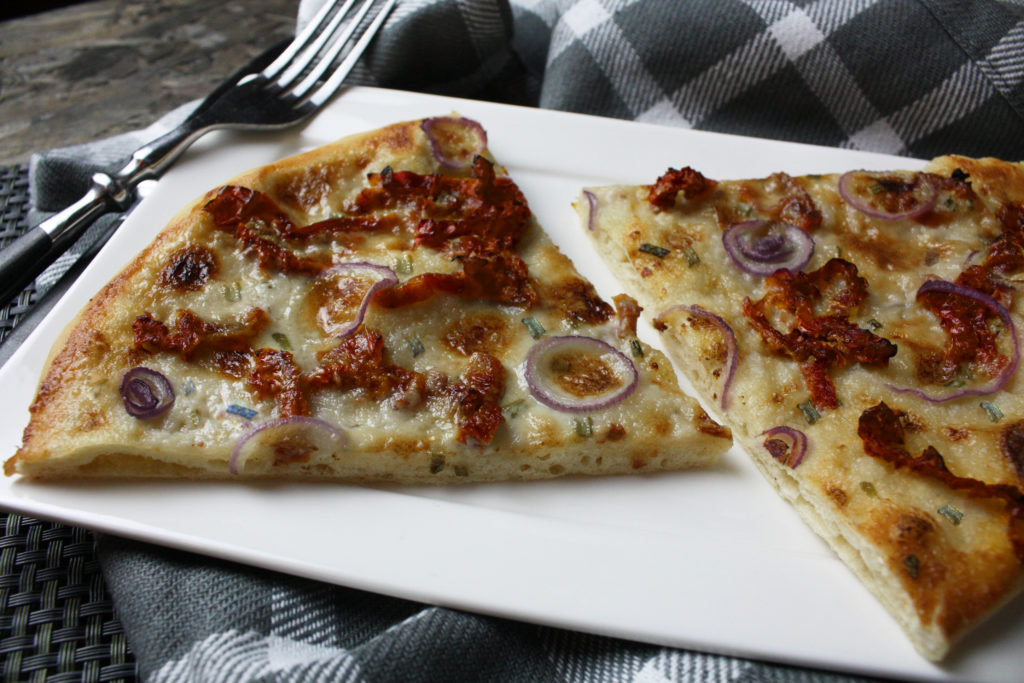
(56,621)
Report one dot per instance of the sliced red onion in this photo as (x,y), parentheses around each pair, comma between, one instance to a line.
(289,438)
(432,128)
(732,354)
(592,203)
(797,444)
(763,247)
(386,277)
(146,393)
(924,192)
(545,391)
(1000,381)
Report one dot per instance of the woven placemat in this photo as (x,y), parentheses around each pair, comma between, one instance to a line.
(57,623)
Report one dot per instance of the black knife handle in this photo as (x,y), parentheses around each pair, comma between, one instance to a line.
(21,261)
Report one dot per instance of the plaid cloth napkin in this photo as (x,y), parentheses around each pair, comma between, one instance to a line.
(914,77)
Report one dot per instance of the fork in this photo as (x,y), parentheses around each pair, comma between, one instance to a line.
(259,96)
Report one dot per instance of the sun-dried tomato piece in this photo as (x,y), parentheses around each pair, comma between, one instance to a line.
(627,312)
(485,205)
(821,337)
(261,225)
(691,183)
(971,340)
(276,374)
(881,433)
(487,275)
(491,208)
(358,363)
(192,334)
(475,398)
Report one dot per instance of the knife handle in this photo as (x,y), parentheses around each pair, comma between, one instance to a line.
(30,254)
(18,259)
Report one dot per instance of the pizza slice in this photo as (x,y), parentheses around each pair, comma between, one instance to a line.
(859,335)
(384,308)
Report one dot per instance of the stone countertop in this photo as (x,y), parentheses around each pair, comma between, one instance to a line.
(97,69)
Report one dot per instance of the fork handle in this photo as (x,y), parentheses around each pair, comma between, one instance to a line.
(29,255)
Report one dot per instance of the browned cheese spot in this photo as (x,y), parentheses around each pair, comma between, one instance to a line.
(582,374)
(306,190)
(189,268)
(487,333)
(837,494)
(615,432)
(334,301)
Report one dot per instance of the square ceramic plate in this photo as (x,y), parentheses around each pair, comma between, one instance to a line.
(711,560)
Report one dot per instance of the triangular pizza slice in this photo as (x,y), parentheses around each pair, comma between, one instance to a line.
(384,308)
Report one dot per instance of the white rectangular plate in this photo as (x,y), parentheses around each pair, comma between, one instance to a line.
(711,560)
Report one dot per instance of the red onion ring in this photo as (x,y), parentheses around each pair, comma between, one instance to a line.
(146,393)
(1001,380)
(792,249)
(387,278)
(553,397)
(592,202)
(797,449)
(322,432)
(428,126)
(732,357)
(848,193)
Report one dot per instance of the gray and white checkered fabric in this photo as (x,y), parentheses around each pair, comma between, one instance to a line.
(198,619)
(914,77)
(920,78)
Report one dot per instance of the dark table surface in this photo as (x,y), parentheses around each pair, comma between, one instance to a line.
(95,69)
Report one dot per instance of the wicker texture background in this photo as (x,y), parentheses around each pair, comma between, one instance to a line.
(56,620)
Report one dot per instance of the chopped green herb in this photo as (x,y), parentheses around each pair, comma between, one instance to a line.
(874,324)
(584,426)
(950,203)
(233,292)
(282,341)
(951,513)
(869,488)
(436,463)
(692,258)
(876,188)
(994,414)
(241,411)
(461,471)
(637,349)
(811,413)
(403,264)
(536,329)
(744,210)
(416,346)
(956,382)
(913,565)
(654,250)
(813,176)
(512,409)
(189,387)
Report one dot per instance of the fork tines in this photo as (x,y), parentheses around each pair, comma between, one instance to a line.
(324,52)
